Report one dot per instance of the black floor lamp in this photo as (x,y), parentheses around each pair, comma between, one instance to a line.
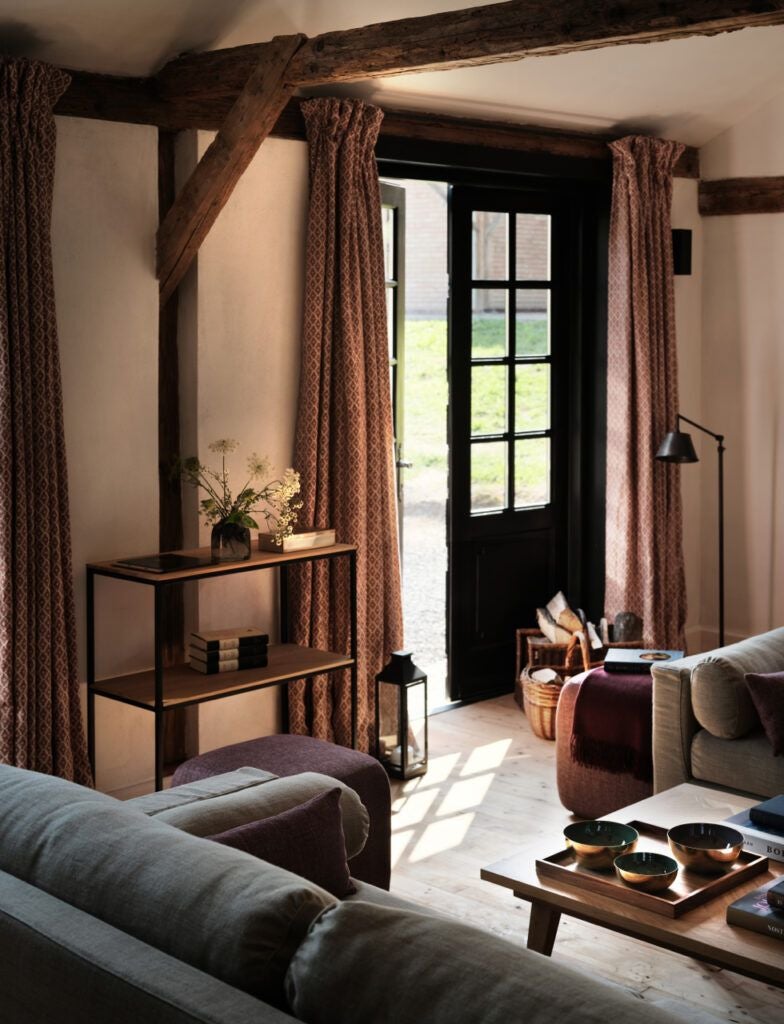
(677,447)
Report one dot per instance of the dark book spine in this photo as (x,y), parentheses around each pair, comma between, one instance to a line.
(230,643)
(765,924)
(228,654)
(227,666)
(769,819)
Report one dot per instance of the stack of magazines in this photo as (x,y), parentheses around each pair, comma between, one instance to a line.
(228,650)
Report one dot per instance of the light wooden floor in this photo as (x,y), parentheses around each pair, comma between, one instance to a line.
(489,788)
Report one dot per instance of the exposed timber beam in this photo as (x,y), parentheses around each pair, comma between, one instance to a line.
(206,192)
(741,195)
(477,35)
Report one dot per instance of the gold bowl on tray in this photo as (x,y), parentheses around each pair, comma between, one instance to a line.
(705,847)
(650,872)
(596,844)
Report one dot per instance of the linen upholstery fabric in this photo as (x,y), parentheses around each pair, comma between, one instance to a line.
(59,964)
(343,441)
(745,764)
(306,839)
(203,789)
(228,914)
(721,700)
(767,692)
(414,961)
(209,817)
(644,551)
(287,755)
(40,717)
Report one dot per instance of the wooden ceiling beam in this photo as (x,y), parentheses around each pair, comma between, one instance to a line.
(741,195)
(206,192)
(477,35)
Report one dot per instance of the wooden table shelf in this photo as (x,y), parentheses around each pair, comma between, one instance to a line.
(164,687)
(183,685)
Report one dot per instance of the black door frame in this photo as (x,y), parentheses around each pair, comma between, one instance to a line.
(584,184)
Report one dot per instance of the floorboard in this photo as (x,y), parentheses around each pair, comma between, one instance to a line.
(489,789)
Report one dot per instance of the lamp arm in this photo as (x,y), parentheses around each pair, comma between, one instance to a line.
(717,437)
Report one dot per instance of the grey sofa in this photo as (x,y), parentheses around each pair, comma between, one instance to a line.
(112,912)
(705,726)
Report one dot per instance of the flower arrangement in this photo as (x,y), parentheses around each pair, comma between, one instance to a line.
(276,500)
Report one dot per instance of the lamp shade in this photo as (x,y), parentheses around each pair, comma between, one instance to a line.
(677,447)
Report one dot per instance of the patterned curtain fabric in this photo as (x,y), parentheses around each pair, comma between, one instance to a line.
(344,443)
(40,719)
(644,560)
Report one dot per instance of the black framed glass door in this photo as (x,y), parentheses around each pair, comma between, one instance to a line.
(511,311)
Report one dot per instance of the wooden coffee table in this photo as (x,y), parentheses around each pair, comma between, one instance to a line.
(702,933)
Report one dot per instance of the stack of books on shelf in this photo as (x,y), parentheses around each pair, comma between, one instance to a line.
(228,650)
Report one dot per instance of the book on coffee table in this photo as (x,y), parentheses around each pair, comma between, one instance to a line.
(769,814)
(769,842)
(753,911)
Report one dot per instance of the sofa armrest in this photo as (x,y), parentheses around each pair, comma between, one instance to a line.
(674,724)
(203,789)
(221,802)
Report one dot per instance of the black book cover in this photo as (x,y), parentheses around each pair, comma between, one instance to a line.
(770,813)
(243,653)
(753,911)
(260,661)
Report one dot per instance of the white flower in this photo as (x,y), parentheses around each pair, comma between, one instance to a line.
(224,445)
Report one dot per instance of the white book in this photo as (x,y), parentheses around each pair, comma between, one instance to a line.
(756,840)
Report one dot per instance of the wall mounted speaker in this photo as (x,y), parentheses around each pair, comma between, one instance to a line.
(681,251)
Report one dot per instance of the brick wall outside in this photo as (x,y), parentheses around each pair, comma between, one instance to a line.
(426,254)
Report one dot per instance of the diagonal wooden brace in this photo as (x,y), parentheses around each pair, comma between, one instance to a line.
(206,192)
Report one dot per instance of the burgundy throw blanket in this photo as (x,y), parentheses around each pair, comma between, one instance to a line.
(613,723)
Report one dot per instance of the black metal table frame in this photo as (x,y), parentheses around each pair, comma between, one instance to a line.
(159,582)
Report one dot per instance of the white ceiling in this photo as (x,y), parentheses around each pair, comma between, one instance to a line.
(690,90)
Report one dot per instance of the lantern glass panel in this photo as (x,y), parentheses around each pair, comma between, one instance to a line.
(389,723)
(416,700)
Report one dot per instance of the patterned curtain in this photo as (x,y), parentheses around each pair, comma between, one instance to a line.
(644,561)
(40,719)
(344,444)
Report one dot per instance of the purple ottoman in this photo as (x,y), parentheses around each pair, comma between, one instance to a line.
(289,755)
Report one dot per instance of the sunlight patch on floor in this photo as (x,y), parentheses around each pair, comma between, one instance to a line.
(412,808)
(440,836)
(465,794)
(400,840)
(489,755)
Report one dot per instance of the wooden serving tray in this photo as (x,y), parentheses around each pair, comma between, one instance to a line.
(688,891)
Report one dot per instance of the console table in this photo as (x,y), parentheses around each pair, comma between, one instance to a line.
(163,687)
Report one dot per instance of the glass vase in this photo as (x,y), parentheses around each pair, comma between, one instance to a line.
(230,543)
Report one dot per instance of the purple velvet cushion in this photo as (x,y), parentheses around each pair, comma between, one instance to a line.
(767,692)
(307,839)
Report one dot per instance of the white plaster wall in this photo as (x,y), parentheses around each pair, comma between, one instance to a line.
(688,325)
(743,381)
(103,230)
(248,300)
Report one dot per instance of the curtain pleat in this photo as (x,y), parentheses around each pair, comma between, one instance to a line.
(40,716)
(644,548)
(344,441)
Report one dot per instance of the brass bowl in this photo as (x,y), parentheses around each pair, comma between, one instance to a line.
(704,847)
(650,872)
(596,844)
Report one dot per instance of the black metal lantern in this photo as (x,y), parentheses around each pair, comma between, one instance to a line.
(401,717)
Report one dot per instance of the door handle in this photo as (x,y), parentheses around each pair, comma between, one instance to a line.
(402,464)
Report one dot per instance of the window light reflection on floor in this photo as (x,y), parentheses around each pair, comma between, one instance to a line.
(434,812)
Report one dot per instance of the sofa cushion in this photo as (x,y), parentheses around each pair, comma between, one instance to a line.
(721,701)
(209,814)
(307,839)
(411,961)
(196,792)
(746,764)
(767,692)
(220,910)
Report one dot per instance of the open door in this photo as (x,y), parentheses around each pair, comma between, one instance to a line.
(508,397)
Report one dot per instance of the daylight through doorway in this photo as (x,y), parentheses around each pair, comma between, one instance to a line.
(421,416)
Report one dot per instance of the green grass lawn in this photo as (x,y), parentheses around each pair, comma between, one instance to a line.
(426,401)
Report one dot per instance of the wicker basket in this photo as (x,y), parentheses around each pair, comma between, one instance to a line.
(539,703)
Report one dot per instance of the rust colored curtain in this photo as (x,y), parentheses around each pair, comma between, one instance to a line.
(344,444)
(644,551)
(40,719)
